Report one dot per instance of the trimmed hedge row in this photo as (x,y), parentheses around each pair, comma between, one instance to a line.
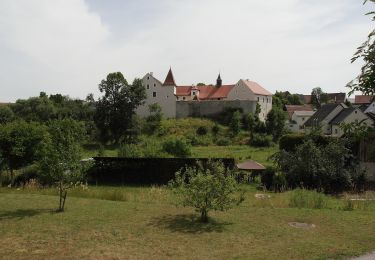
(146,171)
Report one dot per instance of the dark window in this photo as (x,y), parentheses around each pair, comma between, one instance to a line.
(154,94)
(183,98)
(154,85)
(148,86)
(258,99)
(148,78)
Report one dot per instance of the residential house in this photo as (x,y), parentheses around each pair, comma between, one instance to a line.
(297,116)
(332,98)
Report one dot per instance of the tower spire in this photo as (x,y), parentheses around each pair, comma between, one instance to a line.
(169,80)
(219,82)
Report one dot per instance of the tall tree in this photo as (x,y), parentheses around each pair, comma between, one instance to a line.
(365,82)
(275,122)
(115,109)
(318,97)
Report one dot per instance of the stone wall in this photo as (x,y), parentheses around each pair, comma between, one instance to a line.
(211,108)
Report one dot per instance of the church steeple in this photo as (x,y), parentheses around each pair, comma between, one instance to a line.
(169,80)
(219,82)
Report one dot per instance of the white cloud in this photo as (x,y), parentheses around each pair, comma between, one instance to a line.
(68,46)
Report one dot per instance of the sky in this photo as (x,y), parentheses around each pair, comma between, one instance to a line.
(69,46)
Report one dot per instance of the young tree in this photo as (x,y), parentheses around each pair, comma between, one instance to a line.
(153,121)
(60,156)
(115,110)
(318,97)
(365,82)
(275,123)
(206,188)
(235,123)
(18,144)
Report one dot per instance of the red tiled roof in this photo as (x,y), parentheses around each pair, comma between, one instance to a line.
(250,165)
(205,92)
(362,99)
(307,99)
(169,80)
(256,88)
(291,108)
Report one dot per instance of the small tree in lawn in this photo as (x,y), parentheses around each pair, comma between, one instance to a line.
(207,187)
(60,156)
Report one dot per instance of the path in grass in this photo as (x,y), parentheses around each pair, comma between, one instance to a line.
(144,228)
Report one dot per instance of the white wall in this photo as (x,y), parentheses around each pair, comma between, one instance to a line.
(299,121)
(356,116)
(165,97)
(242,92)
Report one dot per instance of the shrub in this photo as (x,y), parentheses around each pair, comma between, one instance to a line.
(202,130)
(177,147)
(208,187)
(301,198)
(26,174)
(279,182)
(226,115)
(130,151)
(261,140)
(223,141)
(289,142)
(235,123)
(215,130)
(267,177)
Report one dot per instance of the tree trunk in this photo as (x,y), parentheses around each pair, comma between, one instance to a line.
(204,216)
(11,176)
(64,199)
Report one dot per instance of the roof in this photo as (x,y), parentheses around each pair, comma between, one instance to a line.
(256,88)
(321,113)
(291,108)
(304,113)
(205,92)
(371,115)
(362,99)
(169,80)
(342,115)
(336,97)
(250,165)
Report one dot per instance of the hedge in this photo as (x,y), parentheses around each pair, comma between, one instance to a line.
(145,171)
(289,142)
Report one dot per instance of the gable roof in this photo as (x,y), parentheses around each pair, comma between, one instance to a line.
(205,92)
(321,114)
(250,165)
(290,109)
(169,80)
(362,99)
(304,113)
(342,115)
(256,88)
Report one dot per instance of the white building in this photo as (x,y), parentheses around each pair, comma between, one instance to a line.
(168,93)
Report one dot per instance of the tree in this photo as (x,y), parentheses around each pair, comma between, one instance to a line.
(115,110)
(275,122)
(206,188)
(40,109)
(19,142)
(177,147)
(235,123)
(153,121)
(318,97)
(6,114)
(365,82)
(251,121)
(60,156)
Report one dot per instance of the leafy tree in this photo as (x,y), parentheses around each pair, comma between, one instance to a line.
(251,124)
(115,110)
(19,142)
(6,114)
(235,123)
(275,122)
(40,109)
(177,147)
(206,187)
(318,97)
(60,156)
(153,121)
(280,99)
(365,82)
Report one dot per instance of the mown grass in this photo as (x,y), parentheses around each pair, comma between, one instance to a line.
(146,224)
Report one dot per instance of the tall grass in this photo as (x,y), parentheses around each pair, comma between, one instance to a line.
(301,198)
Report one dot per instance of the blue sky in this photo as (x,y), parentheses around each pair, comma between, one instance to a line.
(68,46)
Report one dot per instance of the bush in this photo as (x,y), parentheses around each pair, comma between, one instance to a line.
(223,141)
(215,130)
(267,176)
(177,147)
(130,151)
(226,115)
(301,198)
(279,182)
(208,187)
(26,174)
(261,140)
(202,130)
(289,142)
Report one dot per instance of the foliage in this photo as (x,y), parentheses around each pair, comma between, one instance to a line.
(289,142)
(153,121)
(60,156)
(130,151)
(177,147)
(330,168)
(202,130)
(280,99)
(19,142)
(266,177)
(318,97)
(115,110)
(235,123)
(366,52)
(260,140)
(223,141)
(215,130)
(275,123)
(226,116)
(40,109)
(301,198)
(6,114)
(206,187)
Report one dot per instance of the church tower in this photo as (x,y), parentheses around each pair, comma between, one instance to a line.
(219,82)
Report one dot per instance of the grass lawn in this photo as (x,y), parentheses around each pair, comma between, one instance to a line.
(146,224)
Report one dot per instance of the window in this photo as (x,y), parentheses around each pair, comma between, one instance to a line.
(267,100)
(263,100)
(258,99)
(355,112)
(218,98)
(178,98)
(303,119)
(336,131)
(183,98)
(148,78)
(193,93)
(167,96)
(154,94)
(148,86)
(154,85)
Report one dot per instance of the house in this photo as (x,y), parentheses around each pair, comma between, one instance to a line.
(297,116)
(167,94)
(370,110)
(332,98)
(362,99)
(331,116)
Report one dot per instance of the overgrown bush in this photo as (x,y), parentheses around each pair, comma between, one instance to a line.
(223,141)
(130,151)
(261,140)
(266,177)
(202,130)
(301,198)
(177,147)
(206,187)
